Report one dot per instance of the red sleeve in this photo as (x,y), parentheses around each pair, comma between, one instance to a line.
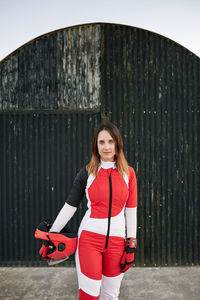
(132,197)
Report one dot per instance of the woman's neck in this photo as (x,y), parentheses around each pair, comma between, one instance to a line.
(107,164)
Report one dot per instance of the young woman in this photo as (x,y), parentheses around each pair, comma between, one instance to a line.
(107,233)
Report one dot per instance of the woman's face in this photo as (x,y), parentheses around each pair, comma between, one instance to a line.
(106,146)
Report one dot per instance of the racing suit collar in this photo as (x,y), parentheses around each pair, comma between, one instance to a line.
(107,164)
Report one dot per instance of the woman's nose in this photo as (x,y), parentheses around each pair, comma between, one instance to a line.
(106,146)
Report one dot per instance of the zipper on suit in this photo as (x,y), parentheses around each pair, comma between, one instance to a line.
(109,211)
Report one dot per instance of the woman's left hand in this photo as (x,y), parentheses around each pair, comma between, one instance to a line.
(128,255)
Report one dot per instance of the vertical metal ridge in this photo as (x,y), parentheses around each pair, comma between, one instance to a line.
(3,190)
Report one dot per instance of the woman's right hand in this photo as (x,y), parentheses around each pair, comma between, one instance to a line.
(44,250)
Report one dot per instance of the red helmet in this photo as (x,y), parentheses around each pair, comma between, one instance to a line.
(57,246)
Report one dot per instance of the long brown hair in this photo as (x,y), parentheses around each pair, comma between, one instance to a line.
(120,159)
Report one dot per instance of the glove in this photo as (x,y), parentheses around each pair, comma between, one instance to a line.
(43,251)
(46,249)
(128,255)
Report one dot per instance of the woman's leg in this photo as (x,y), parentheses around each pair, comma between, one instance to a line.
(110,287)
(89,265)
(112,275)
(85,296)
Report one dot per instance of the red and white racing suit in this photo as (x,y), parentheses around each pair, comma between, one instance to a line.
(111,215)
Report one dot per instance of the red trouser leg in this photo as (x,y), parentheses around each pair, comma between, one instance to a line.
(93,261)
(84,296)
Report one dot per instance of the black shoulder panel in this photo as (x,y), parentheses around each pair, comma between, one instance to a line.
(78,188)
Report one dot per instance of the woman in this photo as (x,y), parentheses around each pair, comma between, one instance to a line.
(103,254)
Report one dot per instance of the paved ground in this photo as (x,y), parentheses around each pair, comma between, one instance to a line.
(59,283)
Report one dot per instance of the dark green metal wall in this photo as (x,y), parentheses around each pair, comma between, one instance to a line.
(152,91)
(56,89)
(40,155)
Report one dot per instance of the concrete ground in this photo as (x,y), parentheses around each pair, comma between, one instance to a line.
(59,283)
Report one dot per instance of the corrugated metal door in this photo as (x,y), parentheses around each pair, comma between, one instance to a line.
(151,91)
(40,155)
(56,89)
